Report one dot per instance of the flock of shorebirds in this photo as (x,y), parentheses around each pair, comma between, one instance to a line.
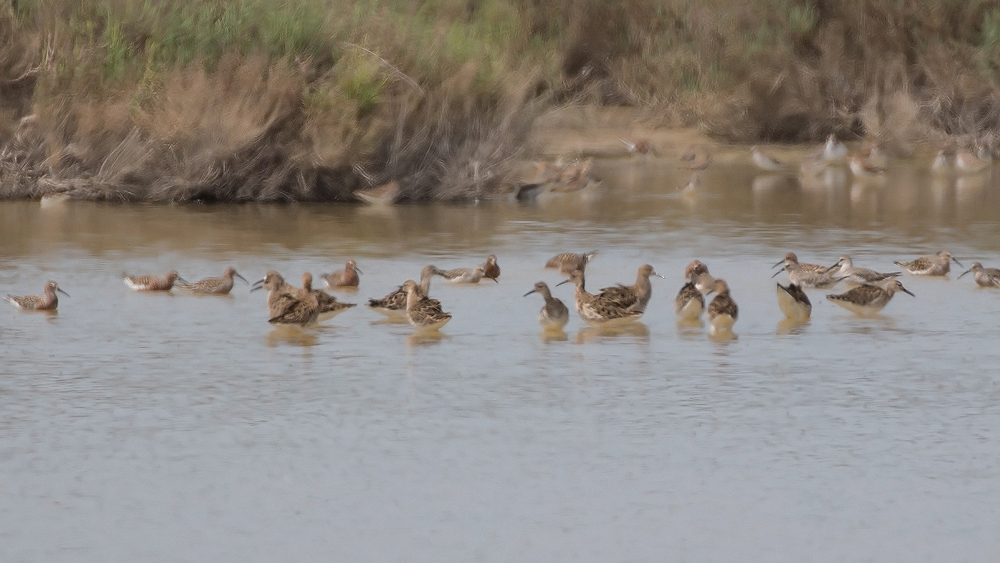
(869,292)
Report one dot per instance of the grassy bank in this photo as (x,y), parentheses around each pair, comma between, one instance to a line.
(260,100)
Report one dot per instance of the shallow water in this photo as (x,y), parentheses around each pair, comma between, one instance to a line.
(141,427)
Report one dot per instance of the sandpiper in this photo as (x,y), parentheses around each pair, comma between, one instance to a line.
(554,314)
(807,275)
(490,268)
(348,277)
(854,275)
(48,301)
(386,194)
(793,302)
(285,304)
(693,187)
(423,313)
(632,297)
(152,283)
(464,275)
(968,163)
(937,265)
(328,305)
(697,273)
(765,161)
(575,177)
(834,149)
(394,304)
(867,299)
(594,309)
(942,162)
(689,303)
(722,311)
(568,262)
(864,168)
(216,286)
(640,147)
(985,277)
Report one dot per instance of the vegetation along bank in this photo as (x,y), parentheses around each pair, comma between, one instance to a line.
(311,100)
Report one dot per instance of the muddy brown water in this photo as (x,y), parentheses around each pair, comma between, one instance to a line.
(140,427)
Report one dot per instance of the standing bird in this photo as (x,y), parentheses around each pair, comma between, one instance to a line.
(834,150)
(285,304)
(464,275)
(423,313)
(985,277)
(633,297)
(595,310)
(348,277)
(640,147)
(864,168)
(942,162)
(807,275)
(697,273)
(867,300)
(216,286)
(490,268)
(968,163)
(722,311)
(328,305)
(394,304)
(152,283)
(937,265)
(765,161)
(794,302)
(48,301)
(689,302)
(854,275)
(554,314)
(567,262)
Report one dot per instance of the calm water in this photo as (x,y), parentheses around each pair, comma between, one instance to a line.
(140,427)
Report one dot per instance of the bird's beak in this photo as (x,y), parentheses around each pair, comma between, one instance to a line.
(779,271)
(904,290)
(357,269)
(256,285)
(963,273)
(562,282)
(241,277)
(529,293)
(63,292)
(780,262)
(957,262)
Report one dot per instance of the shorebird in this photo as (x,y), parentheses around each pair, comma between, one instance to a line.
(285,304)
(765,161)
(854,275)
(876,155)
(863,168)
(633,297)
(937,265)
(693,187)
(490,268)
(701,162)
(807,275)
(152,283)
(464,275)
(48,301)
(386,194)
(575,177)
(867,299)
(942,162)
(697,273)
(423,313)
(567,262)
(722,311)
(689,303)
(640,146)
(595,310)
(793,302)
(328,305)
(985,277)
(394,304)
(348,277)
(554,314)
(834,149)
(217,286)
(968,163)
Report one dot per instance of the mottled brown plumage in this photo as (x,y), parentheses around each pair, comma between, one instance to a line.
(48,301)
(596,310)
(152,283)
(868,299)
(985,277)
(567,262)
(423,313)
(632,297)
(722,311)
(689,302)
(490,268)
(394,304)
(217,286)
(554,314)
(937,265)
(348,277)
(328,304)
(793,302)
